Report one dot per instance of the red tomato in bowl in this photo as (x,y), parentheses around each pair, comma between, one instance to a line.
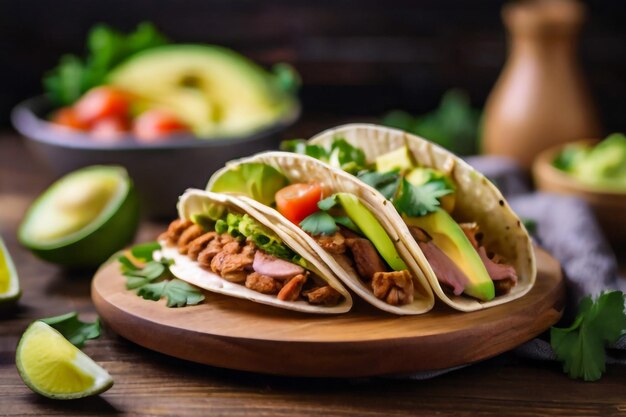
(101,103)
(297,201)
(109,129)
(155,125)
(66,117)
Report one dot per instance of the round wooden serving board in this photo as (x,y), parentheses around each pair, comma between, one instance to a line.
(239,334)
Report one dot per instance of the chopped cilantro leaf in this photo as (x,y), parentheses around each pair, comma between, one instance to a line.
(300,146)
(327,203)
(415,201)
(74,330)
(319,223)
(347,157)
(386,183)
(347,222)
(179,294)
(153,280)
(144,251)
(581,347)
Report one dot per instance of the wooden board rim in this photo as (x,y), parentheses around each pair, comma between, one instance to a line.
(287,352)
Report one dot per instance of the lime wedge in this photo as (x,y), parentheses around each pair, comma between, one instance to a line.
(51,366)
(9,282)
(83,218)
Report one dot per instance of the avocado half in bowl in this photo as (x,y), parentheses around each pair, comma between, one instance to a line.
(163,170)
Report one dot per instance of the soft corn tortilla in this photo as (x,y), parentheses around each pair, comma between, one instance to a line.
(304,169)
(477,200)
(196,202)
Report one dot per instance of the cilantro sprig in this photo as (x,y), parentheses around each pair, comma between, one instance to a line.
(74,330)
(341,154)
(106,48)
(409,199)
(152,279)
(419,200)
(581,347)
(323,223)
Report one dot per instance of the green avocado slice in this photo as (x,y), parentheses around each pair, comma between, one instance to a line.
(449,237)
(372,229)
(258,181)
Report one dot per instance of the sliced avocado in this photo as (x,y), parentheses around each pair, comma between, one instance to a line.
(400,158)
(83,218)
(449,237)
(372,229)
(419,176)
(213,89)
(255,180)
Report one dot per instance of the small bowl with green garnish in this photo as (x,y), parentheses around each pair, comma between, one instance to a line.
(594,171)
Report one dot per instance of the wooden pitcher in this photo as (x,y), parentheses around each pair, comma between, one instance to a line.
(540,98)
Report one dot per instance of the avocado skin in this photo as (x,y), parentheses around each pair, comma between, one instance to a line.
(449,237)
(92,250)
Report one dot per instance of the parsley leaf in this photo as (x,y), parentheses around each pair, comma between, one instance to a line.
(347,157)
(416,201)
(106,48)
(327,203)
(581,347)
(340,155)
(144,251)
(179,294)
(74,330)
(323,223)
(347,222)
(386,183)
(300,146)
(319,223)
(152,279)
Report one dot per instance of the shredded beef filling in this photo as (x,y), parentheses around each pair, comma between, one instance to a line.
(325,295)
(242,262)
(503,275)
(391,287)
(450,276)
(366,258)
(396,288)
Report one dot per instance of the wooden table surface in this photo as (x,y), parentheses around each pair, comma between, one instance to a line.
(149,383)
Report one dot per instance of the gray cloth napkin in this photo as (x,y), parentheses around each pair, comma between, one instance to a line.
(567,228)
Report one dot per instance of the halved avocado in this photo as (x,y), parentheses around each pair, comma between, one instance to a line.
(83,218)
(213,89)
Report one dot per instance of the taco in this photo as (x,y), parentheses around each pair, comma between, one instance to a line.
(343,225)
(221,245)
(474,250)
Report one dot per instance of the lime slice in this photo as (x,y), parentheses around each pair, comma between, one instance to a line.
(51,366)
(9,282)
(83,218)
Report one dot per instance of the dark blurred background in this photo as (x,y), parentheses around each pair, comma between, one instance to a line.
(356,58)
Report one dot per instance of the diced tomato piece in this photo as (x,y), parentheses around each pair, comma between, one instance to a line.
(66,117)
(109,129)
(155,125)
(101,103)
(297,201)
